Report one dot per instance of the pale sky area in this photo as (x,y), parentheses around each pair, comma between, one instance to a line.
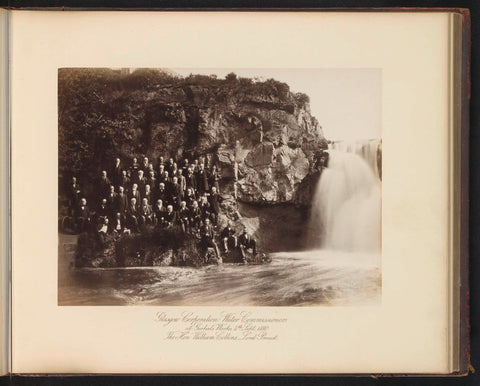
(346,102)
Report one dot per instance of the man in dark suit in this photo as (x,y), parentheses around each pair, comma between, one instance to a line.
(151,180)
(73,193)
(170,217)
(245,242)
(165,179)
(145,213)
(175,192)
(141,181)
(134,168)
(145,163)
(135,194)
(125,182)
(163,194)
(202,178)
(121,202)
(117,225)
(148,195)
(184,217)
(159,213)
(191,180)
(103,229)
(228,237)
(214,200)
(182,181)
(189,197)
(185,166)
(104,185)
(103,211)
(116,172)
(133,215)
(208,235)
(169,166)
(82,216)
(111,199)
(195,215)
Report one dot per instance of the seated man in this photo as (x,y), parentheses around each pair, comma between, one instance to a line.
(117,225)
(189,197)
(103,211)
(170,217)
(208,235)
(195,215)
(103,230)
(132,215)
(159,213)
(146,213)
(228,238)
(184,216)
(82,216)
(246,242)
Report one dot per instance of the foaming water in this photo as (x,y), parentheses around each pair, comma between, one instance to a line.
(291,279)
(346,208)
(366,149)
(343,267)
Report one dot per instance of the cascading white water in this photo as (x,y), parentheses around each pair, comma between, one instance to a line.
(346,208)
(366,149)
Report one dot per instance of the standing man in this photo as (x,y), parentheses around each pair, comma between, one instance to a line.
(182,181)
(191,180)
(82,216)
(214,200)
(121,202)
(73,192)
(202,179)
(111,199)
(125,181)
(104,185)
(132,215)
(116,172)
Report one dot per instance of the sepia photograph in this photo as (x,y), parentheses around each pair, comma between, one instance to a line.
(219,187)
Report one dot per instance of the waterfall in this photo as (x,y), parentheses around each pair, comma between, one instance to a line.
(346,207)
(369,150)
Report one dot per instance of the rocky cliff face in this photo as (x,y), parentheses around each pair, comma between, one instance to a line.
(261,135)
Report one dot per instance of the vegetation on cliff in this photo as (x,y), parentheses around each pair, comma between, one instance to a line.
(258,132)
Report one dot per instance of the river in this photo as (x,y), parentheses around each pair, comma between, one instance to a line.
(291,279)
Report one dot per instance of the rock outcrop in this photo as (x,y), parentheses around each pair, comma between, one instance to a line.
(261,135)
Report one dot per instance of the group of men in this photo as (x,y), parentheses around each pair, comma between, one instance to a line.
(168,195)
